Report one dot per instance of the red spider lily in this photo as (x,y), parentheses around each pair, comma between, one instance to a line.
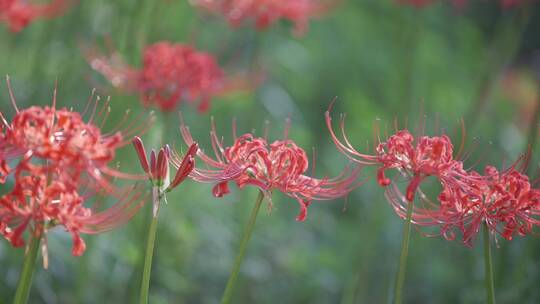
(280,165)
(505,201)
(60,162)
(18,14)
(264,13)
(171,73)
(44,197)
(62,138)
(157,170)
(429,156)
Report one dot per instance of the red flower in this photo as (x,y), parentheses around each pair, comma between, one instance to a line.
(505,201)
(64,139)
(59,163)
(171,73)
(174,71)
(280,165)
(264,13)
(18,14)
(429,156)
(44,197)
(157,170)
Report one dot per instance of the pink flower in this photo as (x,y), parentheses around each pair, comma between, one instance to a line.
(18,14)
(280,165)
(171,73)
(264,13)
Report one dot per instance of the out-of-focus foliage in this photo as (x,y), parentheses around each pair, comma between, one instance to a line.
(383,61)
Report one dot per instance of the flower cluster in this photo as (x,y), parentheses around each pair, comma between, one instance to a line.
(59,164)
(264,13)
(280,165)
(171,73)
(17,14)
(505,201)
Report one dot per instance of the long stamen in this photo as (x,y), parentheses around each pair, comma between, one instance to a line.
(11,96)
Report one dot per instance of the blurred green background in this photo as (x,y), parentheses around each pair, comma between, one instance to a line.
(383,61)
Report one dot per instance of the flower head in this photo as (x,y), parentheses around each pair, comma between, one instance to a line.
(18,14)
(60,162)
(44,197)
(175,71)
(62,138)
(264,13)
(413,159)
(505,201)
(171,73)
(280,165)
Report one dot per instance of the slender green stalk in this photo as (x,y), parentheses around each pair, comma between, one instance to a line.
(29,264)
(351,290)
(227,294)
(488,267)
(400,276)
(145,19)
(150,242)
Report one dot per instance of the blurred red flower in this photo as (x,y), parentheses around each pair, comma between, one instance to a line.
(264,13)
(18,14)
(171,73)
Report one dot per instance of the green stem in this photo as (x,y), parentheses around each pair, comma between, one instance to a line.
(145,19)
(349,294)
(488,267)
(150,242)
(227,294)
(400,276)
(29,264)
